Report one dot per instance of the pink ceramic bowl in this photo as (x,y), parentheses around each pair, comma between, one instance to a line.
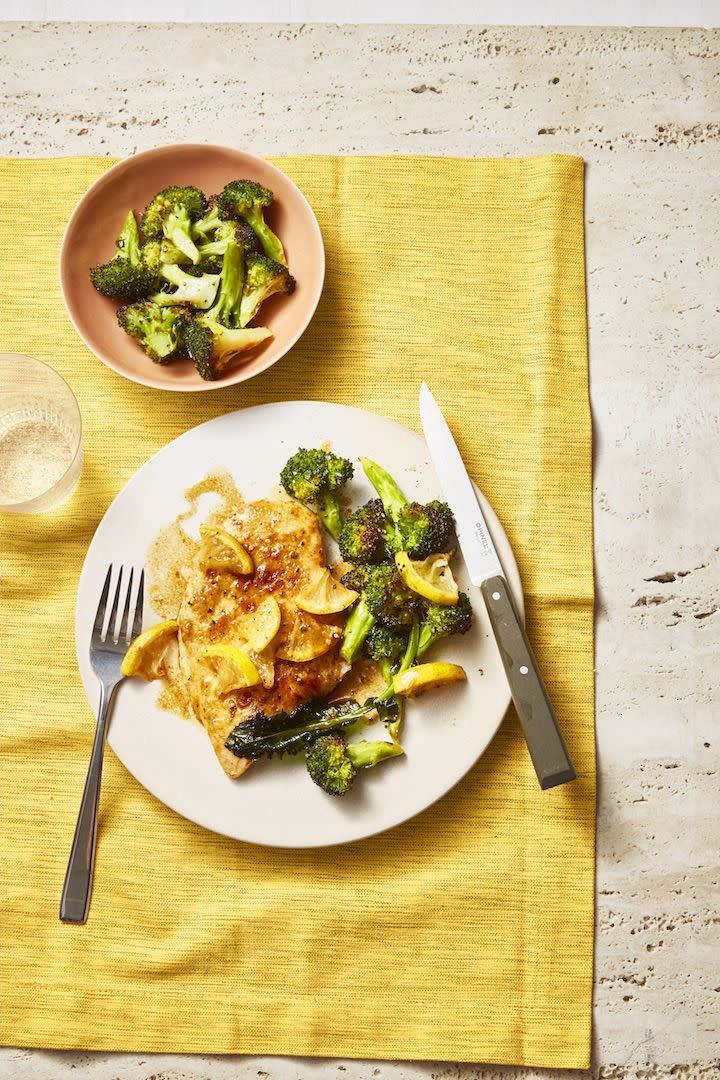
(90,239)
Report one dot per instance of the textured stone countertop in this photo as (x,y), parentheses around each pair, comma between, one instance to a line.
(643,108)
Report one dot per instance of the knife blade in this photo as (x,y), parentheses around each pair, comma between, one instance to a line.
(542,734)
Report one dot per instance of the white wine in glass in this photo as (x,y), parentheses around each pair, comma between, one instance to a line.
(40,436)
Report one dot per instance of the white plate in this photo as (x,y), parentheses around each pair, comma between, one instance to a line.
(275,803)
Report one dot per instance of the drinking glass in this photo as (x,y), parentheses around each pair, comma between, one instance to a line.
(40,436)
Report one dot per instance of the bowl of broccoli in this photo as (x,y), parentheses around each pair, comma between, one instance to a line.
(192,267)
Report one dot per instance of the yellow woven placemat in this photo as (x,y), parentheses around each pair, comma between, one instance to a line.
(465,934)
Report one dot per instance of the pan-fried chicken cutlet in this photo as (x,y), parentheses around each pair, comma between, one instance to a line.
(285,542)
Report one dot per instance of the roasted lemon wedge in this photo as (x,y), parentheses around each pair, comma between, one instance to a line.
(431,577)
(146,655)
(323,595)
(425,677)
(233,668)
(259,628)
(265,663)
(302,636)
(221,551)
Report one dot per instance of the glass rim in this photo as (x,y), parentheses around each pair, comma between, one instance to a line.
(76,450)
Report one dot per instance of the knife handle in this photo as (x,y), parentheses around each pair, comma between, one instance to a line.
(540,727)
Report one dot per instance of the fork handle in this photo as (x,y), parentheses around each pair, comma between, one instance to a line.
(75,899)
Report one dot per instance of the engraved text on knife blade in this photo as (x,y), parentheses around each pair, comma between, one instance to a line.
(483,538)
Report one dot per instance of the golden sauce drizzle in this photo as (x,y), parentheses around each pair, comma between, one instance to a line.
(169,557)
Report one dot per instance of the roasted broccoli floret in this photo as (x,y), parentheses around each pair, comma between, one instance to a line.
(238,232)
(384,598)
(385,593)
(385,646)
(421,529)
(441,621)
(212,346)
(264,277)
(426,528)
(121,280)
(171,214)
(247,200)
(330,766)
(366,535)
(333,764)
(384,643)
(156,329)
(125,277)
(290,733)
(196,290)
(316,477)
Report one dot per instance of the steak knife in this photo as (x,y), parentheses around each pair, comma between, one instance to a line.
(543,737)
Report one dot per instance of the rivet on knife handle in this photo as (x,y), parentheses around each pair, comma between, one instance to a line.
(542,734)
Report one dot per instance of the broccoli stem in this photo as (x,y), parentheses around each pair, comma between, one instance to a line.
(425,640)
(331,513)
(412,646)
(408,659)
(226,308)
(128,242)
(394,726)
(177,231)
(386,670)
(390,494)
(357,628)
(269,242)
(212,248)
(364,754)
(208,223)
(173,274)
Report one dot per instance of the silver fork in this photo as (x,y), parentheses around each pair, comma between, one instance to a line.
(107,651)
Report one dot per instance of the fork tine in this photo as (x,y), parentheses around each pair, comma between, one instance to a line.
(137,621)
(110,632)
(102,604)
(122,632)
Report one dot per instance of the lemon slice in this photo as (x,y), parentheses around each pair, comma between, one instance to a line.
(324,595)
(303,637)
(234,670)
(264,661)
(221,551)
(259,628)
(146,654)
(431,577)
(425,677)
